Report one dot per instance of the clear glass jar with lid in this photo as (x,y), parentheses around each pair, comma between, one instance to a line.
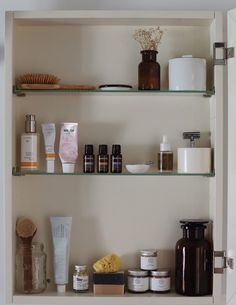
(148,259)
(160,280)
(138,280)
(80,279)
(30,268)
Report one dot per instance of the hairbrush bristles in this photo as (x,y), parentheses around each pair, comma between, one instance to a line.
(37,78)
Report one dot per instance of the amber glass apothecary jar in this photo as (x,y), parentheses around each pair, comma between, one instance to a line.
(194,260)
(30,268)
(149,71)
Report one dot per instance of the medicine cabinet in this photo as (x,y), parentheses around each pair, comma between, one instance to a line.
(113,213)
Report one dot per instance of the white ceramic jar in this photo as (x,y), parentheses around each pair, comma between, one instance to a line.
(194,160)
(187,73)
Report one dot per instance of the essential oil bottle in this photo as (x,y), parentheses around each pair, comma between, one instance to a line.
(88,159)
(102,159)
(165,156)
(116,159)
(30,145)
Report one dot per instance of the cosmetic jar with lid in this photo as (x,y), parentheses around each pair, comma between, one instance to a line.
(148,259)
(138,280)
(80,279)
(160,280)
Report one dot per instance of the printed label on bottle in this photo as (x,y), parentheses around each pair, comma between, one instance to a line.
(160,284)
(103,164)
(148,262)
(139,284)
(80,282)
(29,151)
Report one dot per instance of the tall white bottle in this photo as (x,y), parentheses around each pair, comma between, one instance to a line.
(30,145)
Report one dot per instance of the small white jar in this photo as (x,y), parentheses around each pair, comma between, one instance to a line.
(138,280)
(148,259)
(160,281)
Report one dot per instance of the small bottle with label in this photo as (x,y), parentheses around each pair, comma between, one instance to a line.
(116,159)
(88,159)
(165,156)
(30,145)
(102,159)
(80,279)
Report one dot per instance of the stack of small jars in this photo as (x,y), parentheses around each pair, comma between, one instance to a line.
(149,277)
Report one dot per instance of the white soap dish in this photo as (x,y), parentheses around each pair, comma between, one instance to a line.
(137,168)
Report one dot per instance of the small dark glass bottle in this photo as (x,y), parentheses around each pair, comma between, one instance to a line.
(116,159)
(88,159)
(194,260)
(102,159)
(149,71)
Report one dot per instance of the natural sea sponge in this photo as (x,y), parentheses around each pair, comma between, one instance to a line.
(109,263)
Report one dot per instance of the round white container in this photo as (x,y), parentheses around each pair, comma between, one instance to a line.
(194,160)
(187,73)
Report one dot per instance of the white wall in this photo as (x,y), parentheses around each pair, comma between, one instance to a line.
(73,4)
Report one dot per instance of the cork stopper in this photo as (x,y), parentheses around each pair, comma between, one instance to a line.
(25,228)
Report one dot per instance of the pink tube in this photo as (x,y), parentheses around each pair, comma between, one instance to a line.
(68,147)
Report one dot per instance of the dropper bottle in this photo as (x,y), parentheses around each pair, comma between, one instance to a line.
(165,156)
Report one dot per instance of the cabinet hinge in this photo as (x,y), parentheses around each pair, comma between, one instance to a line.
(221,53)
(226,262)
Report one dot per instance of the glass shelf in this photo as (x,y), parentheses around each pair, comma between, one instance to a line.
(23,92)
(16,172)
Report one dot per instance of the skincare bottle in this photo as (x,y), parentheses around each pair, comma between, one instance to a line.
(88,159)
(30,145)
(102,159)
(116,159)
(165,156)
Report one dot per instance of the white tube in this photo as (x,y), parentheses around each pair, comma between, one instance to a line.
(68,147)
(61,228)
(49,134)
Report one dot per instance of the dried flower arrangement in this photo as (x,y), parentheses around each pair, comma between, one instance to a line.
(149,39)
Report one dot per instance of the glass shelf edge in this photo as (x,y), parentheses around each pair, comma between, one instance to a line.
(23,92)
(152,174)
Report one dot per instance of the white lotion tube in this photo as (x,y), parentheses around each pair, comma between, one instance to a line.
(68,147)
(49,135)
(61,228)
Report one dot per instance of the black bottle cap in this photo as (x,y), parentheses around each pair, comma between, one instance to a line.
(88,149)
(116,149)
(191,223)
(102,149)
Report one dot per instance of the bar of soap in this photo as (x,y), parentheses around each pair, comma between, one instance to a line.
(112,278)
(109,263)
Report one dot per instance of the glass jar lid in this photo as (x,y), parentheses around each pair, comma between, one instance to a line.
(160,272)
(137,272)
(148,252)
(80,267)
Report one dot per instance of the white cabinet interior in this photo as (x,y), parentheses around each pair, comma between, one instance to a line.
(120,214)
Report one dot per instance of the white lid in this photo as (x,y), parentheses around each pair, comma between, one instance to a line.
(50,166)
(165,146)
(61,288)
(68,167)
(80,268)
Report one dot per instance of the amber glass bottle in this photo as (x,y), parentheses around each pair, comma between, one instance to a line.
(194,260)
(149,71)
(102,159)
